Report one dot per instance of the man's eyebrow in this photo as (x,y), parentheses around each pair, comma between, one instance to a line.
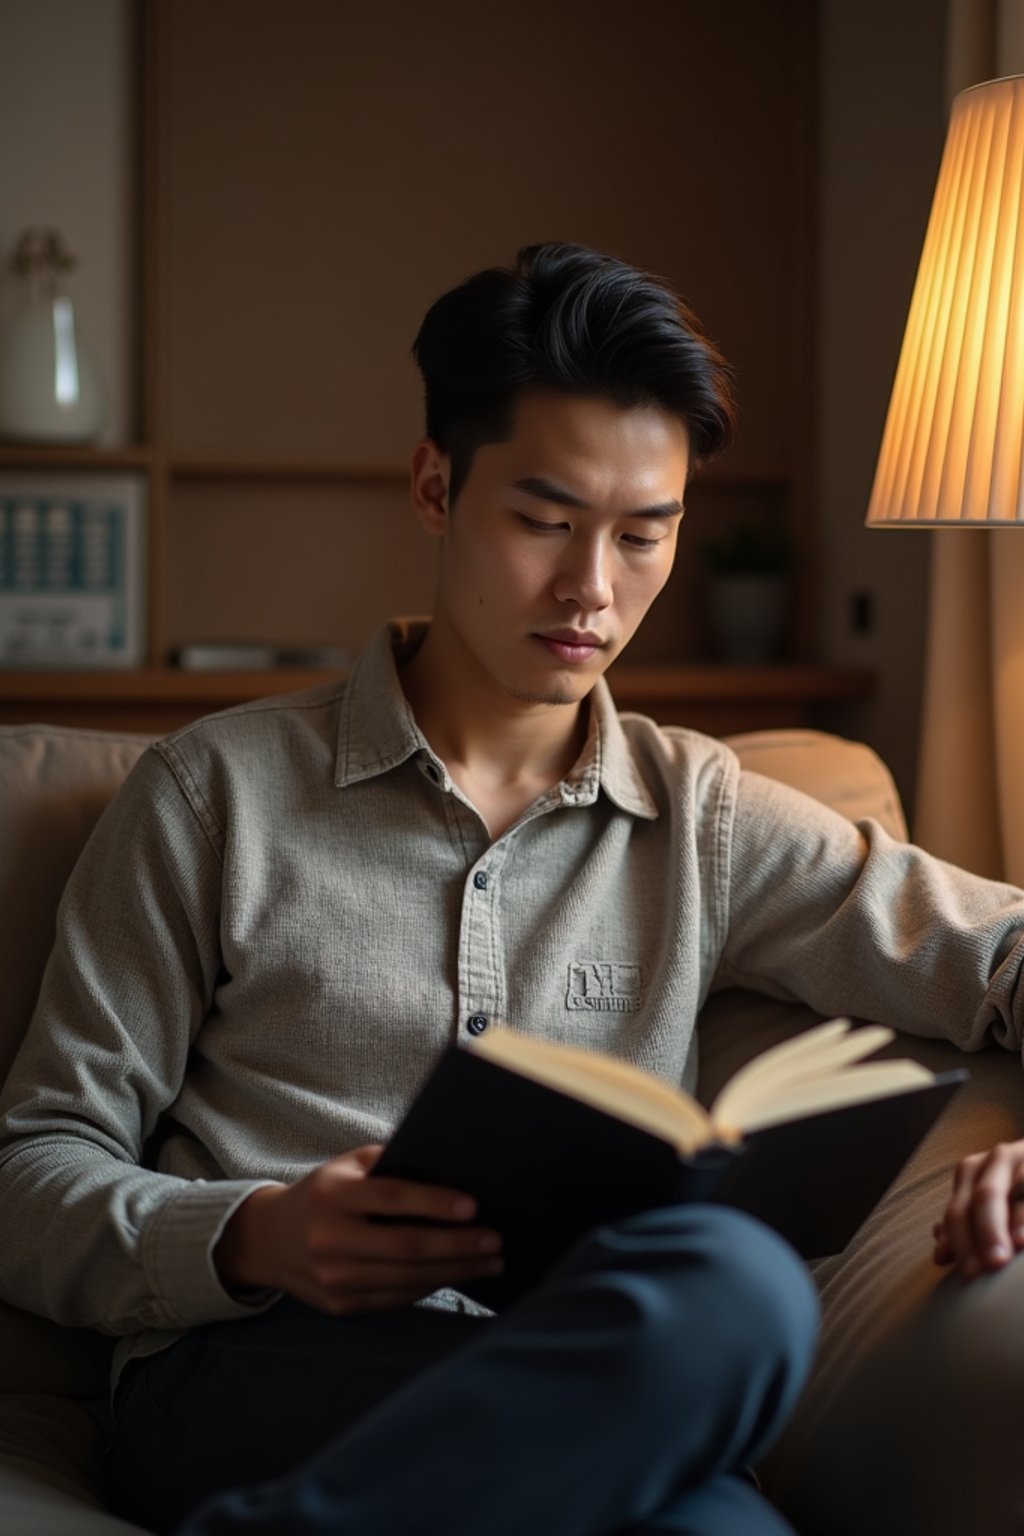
(547,490)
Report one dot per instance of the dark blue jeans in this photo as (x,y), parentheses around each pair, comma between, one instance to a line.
(626,1394)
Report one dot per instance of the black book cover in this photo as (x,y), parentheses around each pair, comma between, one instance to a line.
(546,1169)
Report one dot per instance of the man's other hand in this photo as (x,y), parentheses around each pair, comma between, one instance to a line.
(315,1240)
(983,1224)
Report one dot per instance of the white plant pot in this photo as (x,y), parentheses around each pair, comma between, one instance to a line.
(748,618)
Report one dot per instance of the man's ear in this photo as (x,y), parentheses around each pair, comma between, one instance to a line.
(430,478)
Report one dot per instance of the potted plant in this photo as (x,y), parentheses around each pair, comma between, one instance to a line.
(748,587)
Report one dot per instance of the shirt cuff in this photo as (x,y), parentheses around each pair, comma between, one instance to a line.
(177,1255)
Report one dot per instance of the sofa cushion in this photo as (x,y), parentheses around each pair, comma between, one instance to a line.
(52,1468)
(53,785)
(39,1356)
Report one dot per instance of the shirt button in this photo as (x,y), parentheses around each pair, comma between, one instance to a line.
(477,1023)
(480,880)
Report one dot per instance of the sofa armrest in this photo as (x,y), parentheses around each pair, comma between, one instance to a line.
(846,775)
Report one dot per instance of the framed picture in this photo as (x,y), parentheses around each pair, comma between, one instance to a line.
(72,570)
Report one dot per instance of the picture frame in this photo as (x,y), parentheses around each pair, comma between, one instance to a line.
(72,570)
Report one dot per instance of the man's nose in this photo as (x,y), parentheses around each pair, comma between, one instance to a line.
(585,576)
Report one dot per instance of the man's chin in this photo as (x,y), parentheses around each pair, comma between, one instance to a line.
(553,690)
(558,690)
(552,696)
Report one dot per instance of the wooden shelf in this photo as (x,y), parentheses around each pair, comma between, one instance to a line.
(716,699)
(149,684)
(722,701)
(73,456)
(155,700)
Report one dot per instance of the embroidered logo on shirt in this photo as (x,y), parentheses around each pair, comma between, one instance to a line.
(603,986)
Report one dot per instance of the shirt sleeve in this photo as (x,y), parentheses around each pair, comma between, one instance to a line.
(841,916)
(91,1235)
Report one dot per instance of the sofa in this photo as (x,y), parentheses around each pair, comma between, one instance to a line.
(54,1417)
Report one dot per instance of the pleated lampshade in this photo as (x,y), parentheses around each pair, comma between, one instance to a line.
(952,447)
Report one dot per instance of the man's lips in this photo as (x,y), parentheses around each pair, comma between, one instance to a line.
(571,644)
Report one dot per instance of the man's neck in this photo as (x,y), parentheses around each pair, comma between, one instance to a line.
(487,738)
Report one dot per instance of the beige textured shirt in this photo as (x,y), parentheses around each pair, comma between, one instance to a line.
(290,909)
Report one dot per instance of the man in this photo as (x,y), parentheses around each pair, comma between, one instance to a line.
(292,908)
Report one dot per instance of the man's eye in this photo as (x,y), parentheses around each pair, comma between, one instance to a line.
(638,542)
(541,527)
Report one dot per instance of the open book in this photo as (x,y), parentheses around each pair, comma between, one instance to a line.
(553,1140)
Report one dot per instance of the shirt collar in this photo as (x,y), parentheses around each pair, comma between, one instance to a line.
(616,767)
(377,730)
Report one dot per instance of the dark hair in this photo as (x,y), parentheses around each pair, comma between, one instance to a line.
(568,318)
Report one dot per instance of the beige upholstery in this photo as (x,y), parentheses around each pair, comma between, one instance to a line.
(53,1381)
(53,785)
(846,775)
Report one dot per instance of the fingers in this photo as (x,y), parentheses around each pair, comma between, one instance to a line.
(990,1209)
(404,1198)
(972,1217)
(347,1260)
(365,1157)
(408,1244)
(983,1225)
(342,1283)
(425,1222)
(422,1251)
(344,1181)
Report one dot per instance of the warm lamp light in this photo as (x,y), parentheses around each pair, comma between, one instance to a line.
(953,448)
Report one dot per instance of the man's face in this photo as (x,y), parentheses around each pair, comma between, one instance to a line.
(559,542)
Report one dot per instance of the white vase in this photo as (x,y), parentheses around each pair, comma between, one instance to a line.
(748,618)
(48,387)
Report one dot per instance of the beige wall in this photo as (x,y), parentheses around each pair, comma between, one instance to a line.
(65,162)
(882,127)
